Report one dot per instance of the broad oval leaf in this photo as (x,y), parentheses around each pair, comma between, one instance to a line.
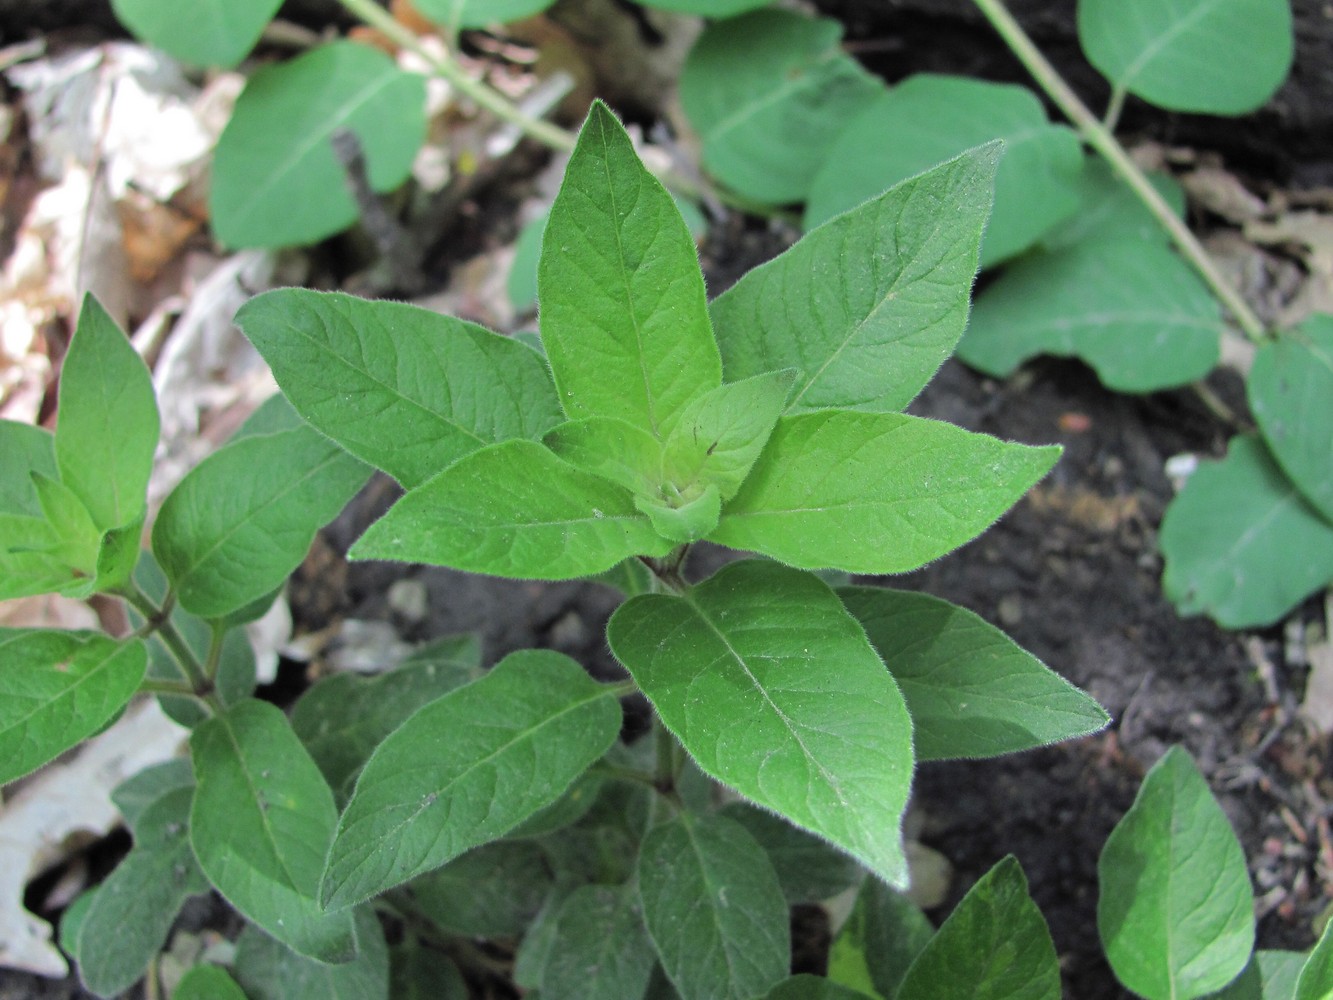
(1216,57)
(204,32)
(928,119)
(456,14)
(207,982)
(468,768)
(714,909)
(1175,911)
(768,93)
(875,492)
(270,971)
(262,821)
(408,390)
(1240,542)
(773,689)
(971,690)
(599,949)
(276,181)
(58,688)
(870,304)
(809,870)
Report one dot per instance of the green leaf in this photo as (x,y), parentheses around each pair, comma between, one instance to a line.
(808,987)
(870,304)
(270,971)
(1110,209)
(205,33)
(707,8)
(262,822)
(1132,309)
(600,950)
(881,939)
(610,448)
(493,891)
(994,946)
(242,519)
(690,521)
(825,740)
(714,909)
(456,14)
(466,769)
(623,314)
(131,914)
(408,390)
(107,424)
(1240,542)
(513,509)
(1176,911)
(29,560)
(768,93)
(420,973)
(57,689)
(1270,975)
(78,538)
(139,791)
(1289,388)
(276,181)
(565,811)
(630,577)
(1216,57)
(971,690)
(809,869)
(24,449)
(875,492)
(1316,982)
(928,119)
(207,982)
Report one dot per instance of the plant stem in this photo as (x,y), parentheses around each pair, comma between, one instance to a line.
(444,66)
(1099,137)
(153,685)
(159,620)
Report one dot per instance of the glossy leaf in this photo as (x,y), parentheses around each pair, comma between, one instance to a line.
(599,950)
(809,870)
(1289,387)
(403,388)
(466,769)
(1240,542)
(513,509)
(207,982)
(870,304)
(205,33)
(276,181)
(57,689)
(270,971)
(1216,57)
(768,93)
(1316,982)
(927,119)
(623,314)
(456,14)
(24,449)
(714,909)
(262,821)
(875,492)
(1176,911)
(826,740)
(495,890)
(881,939)
(971,690)
(994,946)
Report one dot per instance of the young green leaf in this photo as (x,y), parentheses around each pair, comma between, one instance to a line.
(714,909)
(78,537)
(30,563)
(875,492)
(599,950)
(24,450)
(881,939)
(1223,57)
(456,14)
(1176,911)
(870,304)
(205,33)
(514,509)
(608,447)
(242,519)
(262,821)
(825,741)
(928,119)
(768,93)
(207,982)
(495,890)
(466,769)
(276,181)
(139,791)
(270,971)
(623,315)
(1316,982)
(994,946)
(1241,543)
(689,522)
(403,388)
(1271,975)
(107,423)
(808,987)
(971,690)
(57,689)
(809,870)
(1289,388)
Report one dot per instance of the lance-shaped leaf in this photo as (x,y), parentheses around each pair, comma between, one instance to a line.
(1176,911)
(773,689)
(466,769)
(875,492)
(58,688)
(881,939)
(205,33)
(261,824)
(242,519)
(870,304)
(271,971)
(514,509)
(403,388)
(599,948)
(1316,982)
(714,909)
(24,449)
(30,561)
(107,424)
(971,690)
(623,314)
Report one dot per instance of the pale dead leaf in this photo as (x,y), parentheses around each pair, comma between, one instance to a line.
(1312,233)
(1318,704)
(47,611)
(1222,193)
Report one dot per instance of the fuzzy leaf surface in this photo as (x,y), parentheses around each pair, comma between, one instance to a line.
(614,449)
(809,869)
(268,970)
(875,492)
(204,33)
(773,689)
(600,950)
(495,890)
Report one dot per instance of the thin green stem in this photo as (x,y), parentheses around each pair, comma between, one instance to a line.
(621,689)
(1099,137)
(153,685)
(158,620)
(214,660)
